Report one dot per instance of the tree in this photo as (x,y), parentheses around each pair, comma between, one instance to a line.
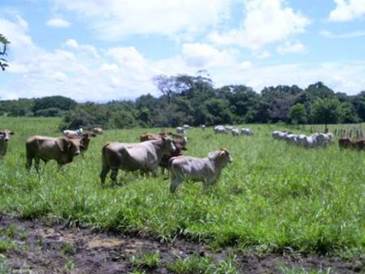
(4,42)
(298,114)
(326,111)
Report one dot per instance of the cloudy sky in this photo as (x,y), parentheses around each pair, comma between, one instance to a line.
(99,50)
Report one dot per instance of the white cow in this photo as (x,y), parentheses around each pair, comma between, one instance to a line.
(145,156)
(235,132)
(246,131)
(220,129)
(206,169)
(73,133)
(180,130)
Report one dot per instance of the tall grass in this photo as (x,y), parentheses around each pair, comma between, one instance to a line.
(273,195)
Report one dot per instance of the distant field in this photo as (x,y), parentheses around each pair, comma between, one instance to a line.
(272,196)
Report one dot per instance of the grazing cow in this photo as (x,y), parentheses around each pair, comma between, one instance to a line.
(144,156)
(4,139)
(61,149)
(97,130)
(235,132)
(72,133)
(220,130)
(229,128)
(246,131)
(202,127)
(186,127)
(206,169)
(180,130)
(345,142)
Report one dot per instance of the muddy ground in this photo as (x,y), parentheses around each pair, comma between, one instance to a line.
(41,247)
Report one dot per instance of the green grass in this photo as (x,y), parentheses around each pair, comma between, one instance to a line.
(196,264)
(146,261)
(272,196)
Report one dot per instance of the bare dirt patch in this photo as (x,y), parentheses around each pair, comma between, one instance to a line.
(55,248)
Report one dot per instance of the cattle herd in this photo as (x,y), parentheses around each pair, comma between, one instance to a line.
(164,149)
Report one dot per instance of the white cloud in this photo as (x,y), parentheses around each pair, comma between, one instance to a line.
(205,56)
(58,23)
(266,21)
(347,10)
(291,47)
(120,18)
(347,35)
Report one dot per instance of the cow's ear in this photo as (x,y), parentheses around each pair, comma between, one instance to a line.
(11,133)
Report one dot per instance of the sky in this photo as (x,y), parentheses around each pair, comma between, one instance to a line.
(100,50)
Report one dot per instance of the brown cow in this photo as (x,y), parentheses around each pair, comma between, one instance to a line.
(60,149)
(345,143)
(4,139)
(84,141)
(179,142)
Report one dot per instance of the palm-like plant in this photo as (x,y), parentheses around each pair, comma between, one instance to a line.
(4,42)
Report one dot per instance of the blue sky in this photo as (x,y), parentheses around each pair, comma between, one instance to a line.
(98,50)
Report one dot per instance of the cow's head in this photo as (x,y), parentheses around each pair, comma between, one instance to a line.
(168,146)
(69,146)
(5,135)
(85,140)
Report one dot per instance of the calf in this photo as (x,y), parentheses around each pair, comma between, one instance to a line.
(61,149)
(4,139)
(206,169)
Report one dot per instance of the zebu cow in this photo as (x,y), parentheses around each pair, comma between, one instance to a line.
(60,149)
(180,130)
(4,139)
(246,131)
(178,140)
(220,130)
(73,133)
(206,169)
(144,156)
(235,132)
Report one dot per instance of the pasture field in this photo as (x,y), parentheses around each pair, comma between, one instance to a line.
(274,196)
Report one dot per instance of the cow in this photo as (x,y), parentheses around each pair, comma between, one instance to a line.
(235,132)
(220,130)
(179,142)
(84,139)
(97,130)
(180,130)
(144,156)
(4,139)
(206,169)
(72,133)
(186,127)
(246,131)
(61,149)
(202,127)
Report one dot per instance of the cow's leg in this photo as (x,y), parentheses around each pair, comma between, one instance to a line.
(175,182)
(114,174)
(104,172)
(28,164)
(36,163)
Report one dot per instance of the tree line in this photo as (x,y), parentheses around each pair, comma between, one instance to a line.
(194,100)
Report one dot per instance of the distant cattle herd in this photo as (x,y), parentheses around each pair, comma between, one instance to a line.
(164,149)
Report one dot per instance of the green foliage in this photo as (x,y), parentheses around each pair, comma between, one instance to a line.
(326,111)
(4,42)
(298,114)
